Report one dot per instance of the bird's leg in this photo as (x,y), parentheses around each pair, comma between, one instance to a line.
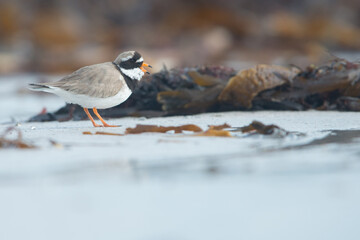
(92,120)
(102,120)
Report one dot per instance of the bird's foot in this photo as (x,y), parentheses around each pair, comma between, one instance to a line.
(107,125)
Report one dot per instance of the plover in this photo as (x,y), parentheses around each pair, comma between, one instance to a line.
(99,86)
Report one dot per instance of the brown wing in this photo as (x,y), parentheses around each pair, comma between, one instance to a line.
(99,80)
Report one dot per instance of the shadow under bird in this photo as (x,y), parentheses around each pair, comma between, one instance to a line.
(99,86)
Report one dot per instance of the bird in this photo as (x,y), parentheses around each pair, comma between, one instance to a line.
(99,86)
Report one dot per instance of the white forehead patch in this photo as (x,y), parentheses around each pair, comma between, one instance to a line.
(140,60)
(135,73)
(126,58)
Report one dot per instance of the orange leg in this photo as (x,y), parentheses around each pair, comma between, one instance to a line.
(92,120)
(102,120)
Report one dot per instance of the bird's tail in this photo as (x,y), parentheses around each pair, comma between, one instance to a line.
(39,87)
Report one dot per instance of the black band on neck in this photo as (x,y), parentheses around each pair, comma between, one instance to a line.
(131,83)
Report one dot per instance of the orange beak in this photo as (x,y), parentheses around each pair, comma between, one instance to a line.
(143,69)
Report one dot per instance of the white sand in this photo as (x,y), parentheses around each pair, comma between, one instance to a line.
(167,186)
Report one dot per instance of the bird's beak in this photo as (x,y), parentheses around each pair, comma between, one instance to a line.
(143,69)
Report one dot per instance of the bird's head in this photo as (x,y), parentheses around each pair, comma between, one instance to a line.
(132,64)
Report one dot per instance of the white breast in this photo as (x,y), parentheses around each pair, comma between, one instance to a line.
(135,73)
(91,102)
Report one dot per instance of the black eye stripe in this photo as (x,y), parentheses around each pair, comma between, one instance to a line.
(130,64)
(136,56)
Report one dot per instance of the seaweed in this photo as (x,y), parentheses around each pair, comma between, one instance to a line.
(182,91)
(161,129)
(242,88)
(214,133)
(14,143)
(257,127)
(102,133)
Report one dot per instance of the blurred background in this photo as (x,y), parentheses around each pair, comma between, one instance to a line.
(57,37)
(75,186)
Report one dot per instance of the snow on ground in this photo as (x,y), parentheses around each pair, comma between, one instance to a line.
(167,186)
